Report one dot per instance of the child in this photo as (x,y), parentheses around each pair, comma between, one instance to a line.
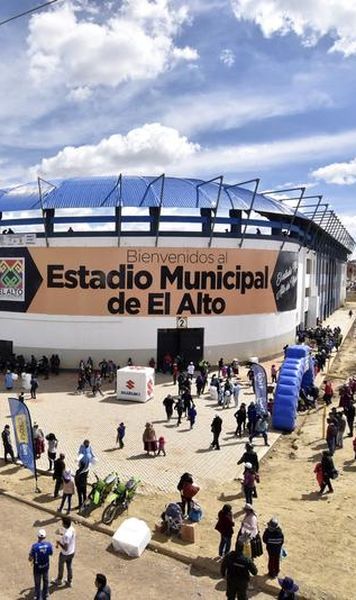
(192,413)
(121,430)
(161,446)
(225,526)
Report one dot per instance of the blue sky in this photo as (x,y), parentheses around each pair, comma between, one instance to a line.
(243,88)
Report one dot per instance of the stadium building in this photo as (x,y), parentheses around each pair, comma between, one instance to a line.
(118,267)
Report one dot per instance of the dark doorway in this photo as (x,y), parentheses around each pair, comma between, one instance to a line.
(6,349)
(188,343)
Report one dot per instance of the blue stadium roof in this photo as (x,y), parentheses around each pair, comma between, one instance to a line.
(168,192)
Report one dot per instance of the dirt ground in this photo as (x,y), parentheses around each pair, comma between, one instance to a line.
(319,532)
(151,576)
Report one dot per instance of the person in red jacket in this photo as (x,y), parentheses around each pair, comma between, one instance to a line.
(319,474)
(225,526)
(328,392)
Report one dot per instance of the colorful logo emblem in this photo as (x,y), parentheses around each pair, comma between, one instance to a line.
(130,384)
(12,279)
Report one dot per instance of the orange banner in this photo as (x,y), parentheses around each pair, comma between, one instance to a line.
(147,281)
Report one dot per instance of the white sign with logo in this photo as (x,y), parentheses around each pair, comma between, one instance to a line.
(9,240)
(135,384)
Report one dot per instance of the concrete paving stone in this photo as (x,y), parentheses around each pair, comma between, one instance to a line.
(73,417)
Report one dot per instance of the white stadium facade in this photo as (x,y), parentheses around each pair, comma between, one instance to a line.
(118,267)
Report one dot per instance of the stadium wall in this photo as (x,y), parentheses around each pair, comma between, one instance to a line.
(257,323)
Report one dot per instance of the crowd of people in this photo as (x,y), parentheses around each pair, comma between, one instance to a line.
(224,389)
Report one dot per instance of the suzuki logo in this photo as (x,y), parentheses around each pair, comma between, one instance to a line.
(149,387)
(130,384)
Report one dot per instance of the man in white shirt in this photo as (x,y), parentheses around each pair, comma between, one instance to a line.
(191,369)
(66,555)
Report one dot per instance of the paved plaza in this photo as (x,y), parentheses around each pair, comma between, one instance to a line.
(73,417)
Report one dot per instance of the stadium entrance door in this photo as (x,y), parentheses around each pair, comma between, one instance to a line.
(187,343)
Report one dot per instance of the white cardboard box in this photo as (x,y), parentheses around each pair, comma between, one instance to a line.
(131,537)
(135,384)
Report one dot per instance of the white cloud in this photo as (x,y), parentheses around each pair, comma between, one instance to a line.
(148,149)
(227,57)
(308,19)
(79,94)
(136,43)
(198,112)
(154,148)
(343,173)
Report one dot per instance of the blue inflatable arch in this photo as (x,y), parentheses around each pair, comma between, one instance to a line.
(296,373)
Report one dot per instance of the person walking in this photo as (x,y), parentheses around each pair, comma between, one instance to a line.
(331,433)
(261,428)
(192,415)
(161,446)
(121,431)
(34,387)
(52,444)
(38,439)
(274,539)
(149,439)
(225,526)
(6,440)
(39,556)
(328,470)
(350,417)
(81,480)
(67,544)
(252,418)
(191,370)
(103,590)
(240,416)
(68,491)
(179,407)
(249,530)
(341,428)
(9,380)
(250,456)
(188,491)
(274,372)
(250,477)
(187,401)
(328,392)
(237,568)
(236,393)
(168,403)
(58,470)
(216,427)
